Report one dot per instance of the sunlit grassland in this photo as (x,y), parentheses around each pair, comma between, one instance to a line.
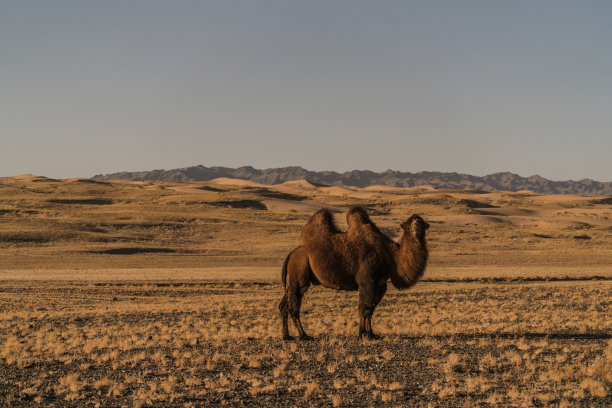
(166,294)
(214,342)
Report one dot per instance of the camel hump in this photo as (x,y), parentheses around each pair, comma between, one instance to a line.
(320,226)
(357,218)
(357,215)
(324,220)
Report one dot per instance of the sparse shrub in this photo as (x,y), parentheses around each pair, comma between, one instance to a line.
(395,386)
(386,397)
(311,387)
(448,391)
(596,388)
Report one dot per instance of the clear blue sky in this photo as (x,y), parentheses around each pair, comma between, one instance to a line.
(476,87)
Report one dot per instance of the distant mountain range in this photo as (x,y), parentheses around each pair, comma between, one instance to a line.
(363,178)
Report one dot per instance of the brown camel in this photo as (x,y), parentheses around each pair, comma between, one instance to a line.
(361,259)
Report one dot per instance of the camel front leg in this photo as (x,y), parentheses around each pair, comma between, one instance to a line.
(362,325)
(369,332)
(380,292)
(370,296)
(366,301)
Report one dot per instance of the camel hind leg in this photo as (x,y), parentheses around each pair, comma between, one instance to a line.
(284,311)
(295,303)
(290,306)
(298,278)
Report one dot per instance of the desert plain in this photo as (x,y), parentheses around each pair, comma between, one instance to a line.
(151,293)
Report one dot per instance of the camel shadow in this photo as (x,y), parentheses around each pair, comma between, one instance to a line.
(594,336)
(599,335)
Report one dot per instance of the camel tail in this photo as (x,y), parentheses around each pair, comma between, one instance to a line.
(284,273)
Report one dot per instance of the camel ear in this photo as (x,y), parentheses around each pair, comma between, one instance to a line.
(426,224)
(405,225)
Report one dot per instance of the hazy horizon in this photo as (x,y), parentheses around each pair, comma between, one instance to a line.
(471,87)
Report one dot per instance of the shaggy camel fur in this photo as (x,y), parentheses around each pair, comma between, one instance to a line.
(361,259)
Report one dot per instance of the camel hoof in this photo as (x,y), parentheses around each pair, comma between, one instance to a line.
(287,337)
(306,337)
(370,336)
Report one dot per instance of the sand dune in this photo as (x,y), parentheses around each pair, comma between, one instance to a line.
(279,205)
(186,189)
(337,191)
(208,216)
(298,187)
(564,199)
(424,187)
(85,180)
(304,184)
(353,192)
(383,188)
(511,212)
(33,178)
(132,182)
(478,219)
(237,182)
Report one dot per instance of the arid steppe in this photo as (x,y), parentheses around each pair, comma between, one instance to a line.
(166,294)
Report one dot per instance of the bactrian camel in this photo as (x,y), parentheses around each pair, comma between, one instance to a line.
(361,259)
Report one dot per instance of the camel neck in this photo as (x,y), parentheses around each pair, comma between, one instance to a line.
(410,259)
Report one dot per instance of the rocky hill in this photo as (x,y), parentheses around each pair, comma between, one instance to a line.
(363,178)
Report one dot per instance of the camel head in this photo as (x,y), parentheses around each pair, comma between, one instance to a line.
(415,226)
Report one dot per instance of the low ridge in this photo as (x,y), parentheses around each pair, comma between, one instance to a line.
(363,178)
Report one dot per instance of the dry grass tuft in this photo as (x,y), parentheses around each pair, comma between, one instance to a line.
(157,295)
